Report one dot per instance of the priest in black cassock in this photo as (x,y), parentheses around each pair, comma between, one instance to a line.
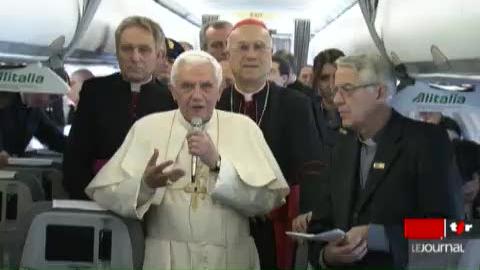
(110,105)
(286,119)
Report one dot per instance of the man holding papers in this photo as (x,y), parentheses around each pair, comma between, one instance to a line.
(384,168)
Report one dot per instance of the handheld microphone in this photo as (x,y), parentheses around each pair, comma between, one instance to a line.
(197,125)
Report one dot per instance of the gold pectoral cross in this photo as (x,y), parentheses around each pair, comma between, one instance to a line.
(196,188)
(197,192)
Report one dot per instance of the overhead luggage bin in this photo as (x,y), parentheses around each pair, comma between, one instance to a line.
(413,31)
(93,39)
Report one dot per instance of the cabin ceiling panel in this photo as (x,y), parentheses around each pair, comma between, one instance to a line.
(278,14)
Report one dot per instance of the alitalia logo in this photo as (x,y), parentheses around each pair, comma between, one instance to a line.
(11,77)
(429,98)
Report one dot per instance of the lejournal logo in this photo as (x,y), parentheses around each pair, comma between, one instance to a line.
(429,98)
(8,76)
(429,248)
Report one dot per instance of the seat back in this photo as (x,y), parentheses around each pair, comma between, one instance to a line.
(50,177)
(17,195)
(59,238)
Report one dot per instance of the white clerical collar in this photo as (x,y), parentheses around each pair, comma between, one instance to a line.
(367,142)
(249,96)
(135,87)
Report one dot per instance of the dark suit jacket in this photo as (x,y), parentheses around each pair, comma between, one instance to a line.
(55,111)
(18,124)
(328,128)
(414,182)
(101,122)
(328,137)
(297,85)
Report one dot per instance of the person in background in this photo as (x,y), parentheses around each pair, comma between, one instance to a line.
(70,100)
(163,69)
(108,106)
(6,99)
(306,75)
(286,120)
(55,108)
(76,81)
(21,118)
(374,180)
(213,38)
(449,124)
(467,154)
(454,133)
(4,156)
(279,72)
(228,79)
(324,69)
(193,220)
(328,123)
(293,82)
(186,46)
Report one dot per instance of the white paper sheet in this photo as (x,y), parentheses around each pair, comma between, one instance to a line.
(77,204)
(30,161)
(327,236)
(7,174)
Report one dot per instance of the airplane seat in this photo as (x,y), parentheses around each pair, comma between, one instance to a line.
(50,177)
(50,237)
(17,195)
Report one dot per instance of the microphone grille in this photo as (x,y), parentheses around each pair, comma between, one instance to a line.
(196,122)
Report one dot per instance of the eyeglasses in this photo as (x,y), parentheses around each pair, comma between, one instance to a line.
(350,88)
(258,47)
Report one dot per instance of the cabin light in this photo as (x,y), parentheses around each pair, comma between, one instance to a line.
(465,87)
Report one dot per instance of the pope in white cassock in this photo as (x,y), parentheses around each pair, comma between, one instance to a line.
(198,222)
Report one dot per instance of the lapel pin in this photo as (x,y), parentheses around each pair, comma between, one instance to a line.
(379,165)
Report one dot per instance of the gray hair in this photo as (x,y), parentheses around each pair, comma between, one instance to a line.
(214,25)
(193,57)
(287,56)
(371,69)
(144,23)
(83,74)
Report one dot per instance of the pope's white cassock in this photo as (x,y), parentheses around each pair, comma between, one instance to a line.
(187,229)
